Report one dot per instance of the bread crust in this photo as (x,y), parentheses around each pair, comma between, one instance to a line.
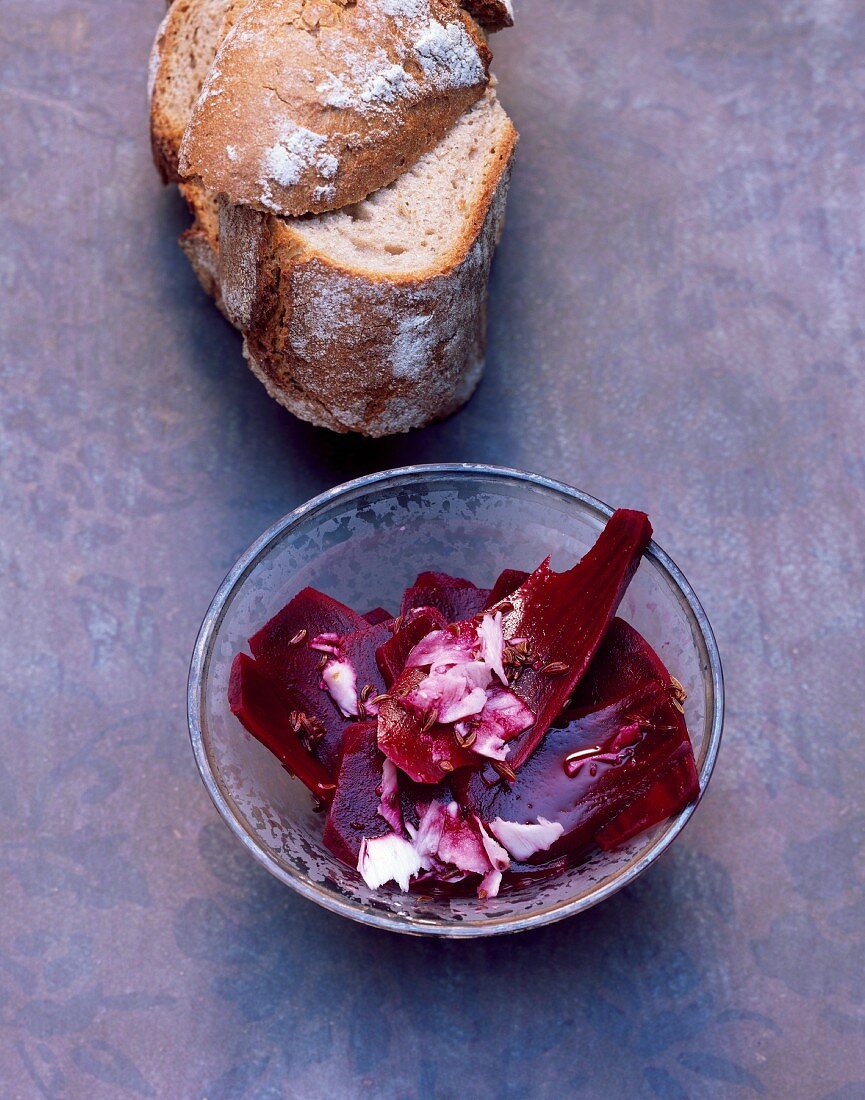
(200,242)
(493,15)
(354,352)
(170,66)
(312,105)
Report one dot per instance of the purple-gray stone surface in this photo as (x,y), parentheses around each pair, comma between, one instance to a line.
(676,325)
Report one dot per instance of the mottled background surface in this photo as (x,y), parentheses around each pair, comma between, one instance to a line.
(677,325)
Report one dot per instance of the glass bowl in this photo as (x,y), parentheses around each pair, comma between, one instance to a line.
(363,543)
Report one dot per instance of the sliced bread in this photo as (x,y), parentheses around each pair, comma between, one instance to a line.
(372,319)
(181,56)
(314,104)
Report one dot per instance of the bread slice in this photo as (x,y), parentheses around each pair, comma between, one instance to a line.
(313,104)
(182,53)
(200,243)
(372,319)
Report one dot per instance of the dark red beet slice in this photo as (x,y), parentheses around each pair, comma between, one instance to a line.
(266,711)
(509,581)
(283,648)
(360,649)
(391,656)
(353,814)
(625,662)
(425,755)
(415,797)
(564,617)
(454,597)
(432,579)
(378,615)
(663,794)
(626,707)
(310,610)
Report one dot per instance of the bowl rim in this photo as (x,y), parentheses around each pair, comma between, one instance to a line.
(374,918)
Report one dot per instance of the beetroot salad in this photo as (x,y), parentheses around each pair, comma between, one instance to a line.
(479,736)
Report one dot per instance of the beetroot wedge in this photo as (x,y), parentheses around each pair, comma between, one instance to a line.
(359,649)
(378,615)
(618,760)
(455,597)
(284,647)
(392,654)
(663,793)
(508,581)
(426,755)
(563,618)
(353,813)
(274,718)
(431,578)
(357,811)
(310,611)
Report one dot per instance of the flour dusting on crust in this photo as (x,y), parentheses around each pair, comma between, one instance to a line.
(286,162)
(447,54)
(365,85)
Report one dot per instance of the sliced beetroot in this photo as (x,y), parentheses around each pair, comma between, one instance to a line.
(415,798)
(356,811)
(391,655)
(619,756)
(625,662)
(426,755)
(311,611)
(661,795)
(275,718)
(352,659)
(283,647)
(563,618)
(509,580)
(455,597)
(378,615)
(359,650)
(432,579)
(353,813)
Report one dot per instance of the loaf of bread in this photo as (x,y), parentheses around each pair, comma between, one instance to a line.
(368,318)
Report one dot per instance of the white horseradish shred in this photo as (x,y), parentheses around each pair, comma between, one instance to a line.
(388,859)
(523,841)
